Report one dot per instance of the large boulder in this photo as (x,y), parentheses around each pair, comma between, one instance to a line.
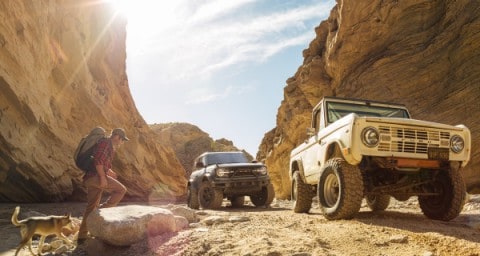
(127,225)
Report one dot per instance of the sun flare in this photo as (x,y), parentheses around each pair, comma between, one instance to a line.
(146,10)
(148,18)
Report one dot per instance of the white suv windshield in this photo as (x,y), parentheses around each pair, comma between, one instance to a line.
(337,110)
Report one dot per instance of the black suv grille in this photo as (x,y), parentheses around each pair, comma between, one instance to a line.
(242,172)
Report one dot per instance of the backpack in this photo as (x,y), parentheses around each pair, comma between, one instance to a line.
(83,155)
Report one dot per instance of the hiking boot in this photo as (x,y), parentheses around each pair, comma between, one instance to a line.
(81,241)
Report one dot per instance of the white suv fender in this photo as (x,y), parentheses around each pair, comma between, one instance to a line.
(339,141)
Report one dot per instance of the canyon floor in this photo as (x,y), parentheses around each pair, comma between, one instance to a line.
(400,230)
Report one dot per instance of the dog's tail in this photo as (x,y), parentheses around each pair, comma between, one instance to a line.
(15,215)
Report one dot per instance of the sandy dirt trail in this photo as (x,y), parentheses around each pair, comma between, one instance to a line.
(400,230)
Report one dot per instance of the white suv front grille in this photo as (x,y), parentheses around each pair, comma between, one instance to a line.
(411,139)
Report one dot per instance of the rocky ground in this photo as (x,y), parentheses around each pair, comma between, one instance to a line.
(400,230)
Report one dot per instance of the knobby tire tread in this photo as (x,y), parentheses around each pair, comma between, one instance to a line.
(303,202)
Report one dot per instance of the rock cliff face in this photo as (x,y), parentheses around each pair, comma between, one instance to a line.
(424,54)
(188,141)
(62,72)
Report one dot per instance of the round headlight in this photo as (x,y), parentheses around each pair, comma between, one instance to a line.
(261,171)
(457,144)
(370,137)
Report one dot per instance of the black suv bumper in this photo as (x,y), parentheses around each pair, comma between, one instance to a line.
(240,186)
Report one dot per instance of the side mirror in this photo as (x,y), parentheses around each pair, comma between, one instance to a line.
(310,131)
(199,165)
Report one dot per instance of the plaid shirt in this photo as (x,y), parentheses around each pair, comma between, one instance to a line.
(104,154)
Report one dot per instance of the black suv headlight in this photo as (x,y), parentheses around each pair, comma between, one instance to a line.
(457,143)
(260,171)
(370,137)
(222,172)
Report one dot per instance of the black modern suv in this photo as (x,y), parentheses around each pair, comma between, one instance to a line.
(219,175)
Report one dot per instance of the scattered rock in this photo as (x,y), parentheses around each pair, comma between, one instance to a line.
(214,220)
(239,219)
(201,229)
(195,225)
(181,223)
(186,212)
(399,239)
(380,243)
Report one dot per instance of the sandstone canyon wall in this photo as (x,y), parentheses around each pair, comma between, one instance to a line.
(62,72)
(424,54)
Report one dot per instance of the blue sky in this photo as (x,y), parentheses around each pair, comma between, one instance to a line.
(220,65)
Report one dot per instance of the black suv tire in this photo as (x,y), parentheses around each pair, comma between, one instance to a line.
(192,198)
(237,201)
(265,197)
(209,197)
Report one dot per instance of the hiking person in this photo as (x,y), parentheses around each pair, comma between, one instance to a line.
(103,178)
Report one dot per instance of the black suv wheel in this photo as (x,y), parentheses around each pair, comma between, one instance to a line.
(209,197)
(265,197)
(192,198)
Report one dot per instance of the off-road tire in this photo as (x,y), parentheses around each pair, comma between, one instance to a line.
(192,198)
(209,197)
(451,199)
(377,202)
(265,197)
(302,194)
(340,190)
(237,201)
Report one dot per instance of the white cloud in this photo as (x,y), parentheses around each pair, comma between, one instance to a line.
(216,9)
(200,95)
(208,42)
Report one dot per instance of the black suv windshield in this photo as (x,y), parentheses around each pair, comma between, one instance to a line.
(223,158)
(337,110)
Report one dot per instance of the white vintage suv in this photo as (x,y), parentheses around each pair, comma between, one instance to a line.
(364,149)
